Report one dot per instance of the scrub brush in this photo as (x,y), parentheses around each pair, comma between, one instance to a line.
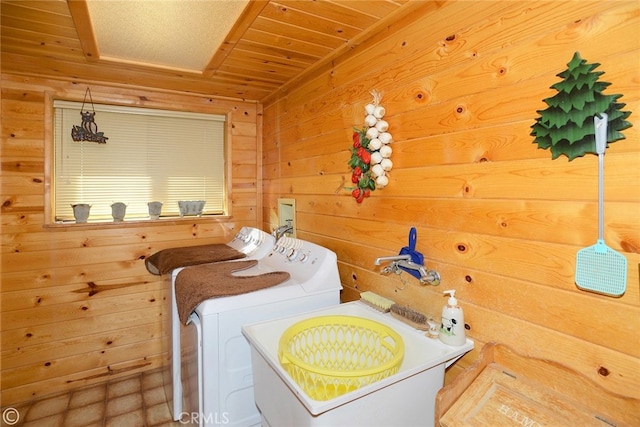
(376,301)
(410,317)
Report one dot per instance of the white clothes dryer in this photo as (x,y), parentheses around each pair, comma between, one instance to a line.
(255,244)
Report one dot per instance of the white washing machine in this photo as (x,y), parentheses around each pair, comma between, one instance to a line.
(255,244)
(406,398)
(217,378)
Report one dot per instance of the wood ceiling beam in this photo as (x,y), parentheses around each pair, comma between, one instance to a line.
(82,21)
(250,13)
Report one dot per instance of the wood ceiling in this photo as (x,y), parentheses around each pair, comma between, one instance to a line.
(273,45)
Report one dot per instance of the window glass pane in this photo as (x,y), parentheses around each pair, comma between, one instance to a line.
(150,155)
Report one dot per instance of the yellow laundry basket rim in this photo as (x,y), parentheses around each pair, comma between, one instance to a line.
(383,331)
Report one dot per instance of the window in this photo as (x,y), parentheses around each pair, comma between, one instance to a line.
(150,155)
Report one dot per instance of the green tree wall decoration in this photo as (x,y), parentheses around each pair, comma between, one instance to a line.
(566,127)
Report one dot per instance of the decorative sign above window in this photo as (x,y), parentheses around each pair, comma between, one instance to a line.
(566,127)
(88,130)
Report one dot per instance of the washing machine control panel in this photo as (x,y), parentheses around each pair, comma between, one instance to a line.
(300,258)
(253,242)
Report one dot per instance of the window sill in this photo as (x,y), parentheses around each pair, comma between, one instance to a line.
(137,222)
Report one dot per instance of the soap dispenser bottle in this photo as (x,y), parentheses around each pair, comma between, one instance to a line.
(452,324)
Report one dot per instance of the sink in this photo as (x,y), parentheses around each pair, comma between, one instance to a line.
(420,376)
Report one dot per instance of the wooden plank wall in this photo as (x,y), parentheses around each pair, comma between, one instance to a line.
(496,216)
(78,305)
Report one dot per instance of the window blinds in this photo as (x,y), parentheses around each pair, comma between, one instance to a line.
(150,155)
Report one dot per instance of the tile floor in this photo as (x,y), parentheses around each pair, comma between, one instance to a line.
(134,401)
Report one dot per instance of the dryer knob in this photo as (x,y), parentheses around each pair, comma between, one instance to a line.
(292,254)
(303,258)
